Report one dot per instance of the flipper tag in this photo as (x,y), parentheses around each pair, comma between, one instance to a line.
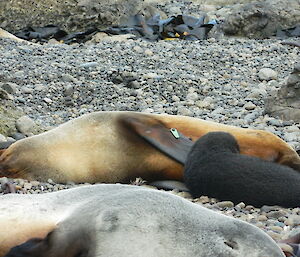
(175,133)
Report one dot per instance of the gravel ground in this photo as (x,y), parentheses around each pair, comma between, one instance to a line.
(213,80)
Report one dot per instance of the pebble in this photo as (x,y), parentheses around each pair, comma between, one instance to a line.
(262,218)
(17,136)
(225,204)
(69,90)
(293,220)
(276,214)
(27,186)
(47,100)
(2,138)
(267,74)
(25,125)
(249,106)
(293,136)
(10,88)
(148,52)
(88,64)
(241,205)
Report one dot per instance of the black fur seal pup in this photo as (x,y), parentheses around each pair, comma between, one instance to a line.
(215,168)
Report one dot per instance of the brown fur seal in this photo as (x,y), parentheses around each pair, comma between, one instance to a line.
(122,221)
(108,147)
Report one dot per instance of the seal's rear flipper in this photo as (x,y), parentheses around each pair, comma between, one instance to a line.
(291,246)
(168,140)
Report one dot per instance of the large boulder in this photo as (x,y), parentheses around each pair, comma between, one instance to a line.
(286,104)
(261,19)
(68,14)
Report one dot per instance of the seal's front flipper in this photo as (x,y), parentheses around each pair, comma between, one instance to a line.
(170,185)
(169,141)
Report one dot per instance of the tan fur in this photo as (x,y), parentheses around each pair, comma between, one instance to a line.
(27,218)
(98,148)
(5,34)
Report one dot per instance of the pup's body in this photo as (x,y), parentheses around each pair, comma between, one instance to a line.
(215,168)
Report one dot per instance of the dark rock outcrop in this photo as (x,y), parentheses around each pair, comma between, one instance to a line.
(70,15)
(286,104)
(262,19)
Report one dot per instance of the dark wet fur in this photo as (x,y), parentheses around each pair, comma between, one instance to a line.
(215,168)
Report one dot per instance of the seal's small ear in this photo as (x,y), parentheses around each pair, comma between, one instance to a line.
(168,140)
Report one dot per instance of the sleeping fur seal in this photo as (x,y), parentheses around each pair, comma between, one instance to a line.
(215,168)
(122,221)
(111,147)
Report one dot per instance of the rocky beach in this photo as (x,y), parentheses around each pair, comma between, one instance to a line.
(223,79)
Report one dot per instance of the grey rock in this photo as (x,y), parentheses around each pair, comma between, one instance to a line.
(27,90)
(88,64)
(148,52)
(10,88)
(17,136)
(292,136)
(249,106)
(225,204)
(67,77)
(192,96)
(261,19)
(3,180)
(27,186)
(138,49)
(118,38)
(2,138)
(151,75)
(293,220)
(286,104)
(184,111)
(5,95)
(276,214)
(275,122)
(267,208)
(267,74)
(47,100)
(25,125)
(10,140)
(69,90)
(257,93)
(134,84)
